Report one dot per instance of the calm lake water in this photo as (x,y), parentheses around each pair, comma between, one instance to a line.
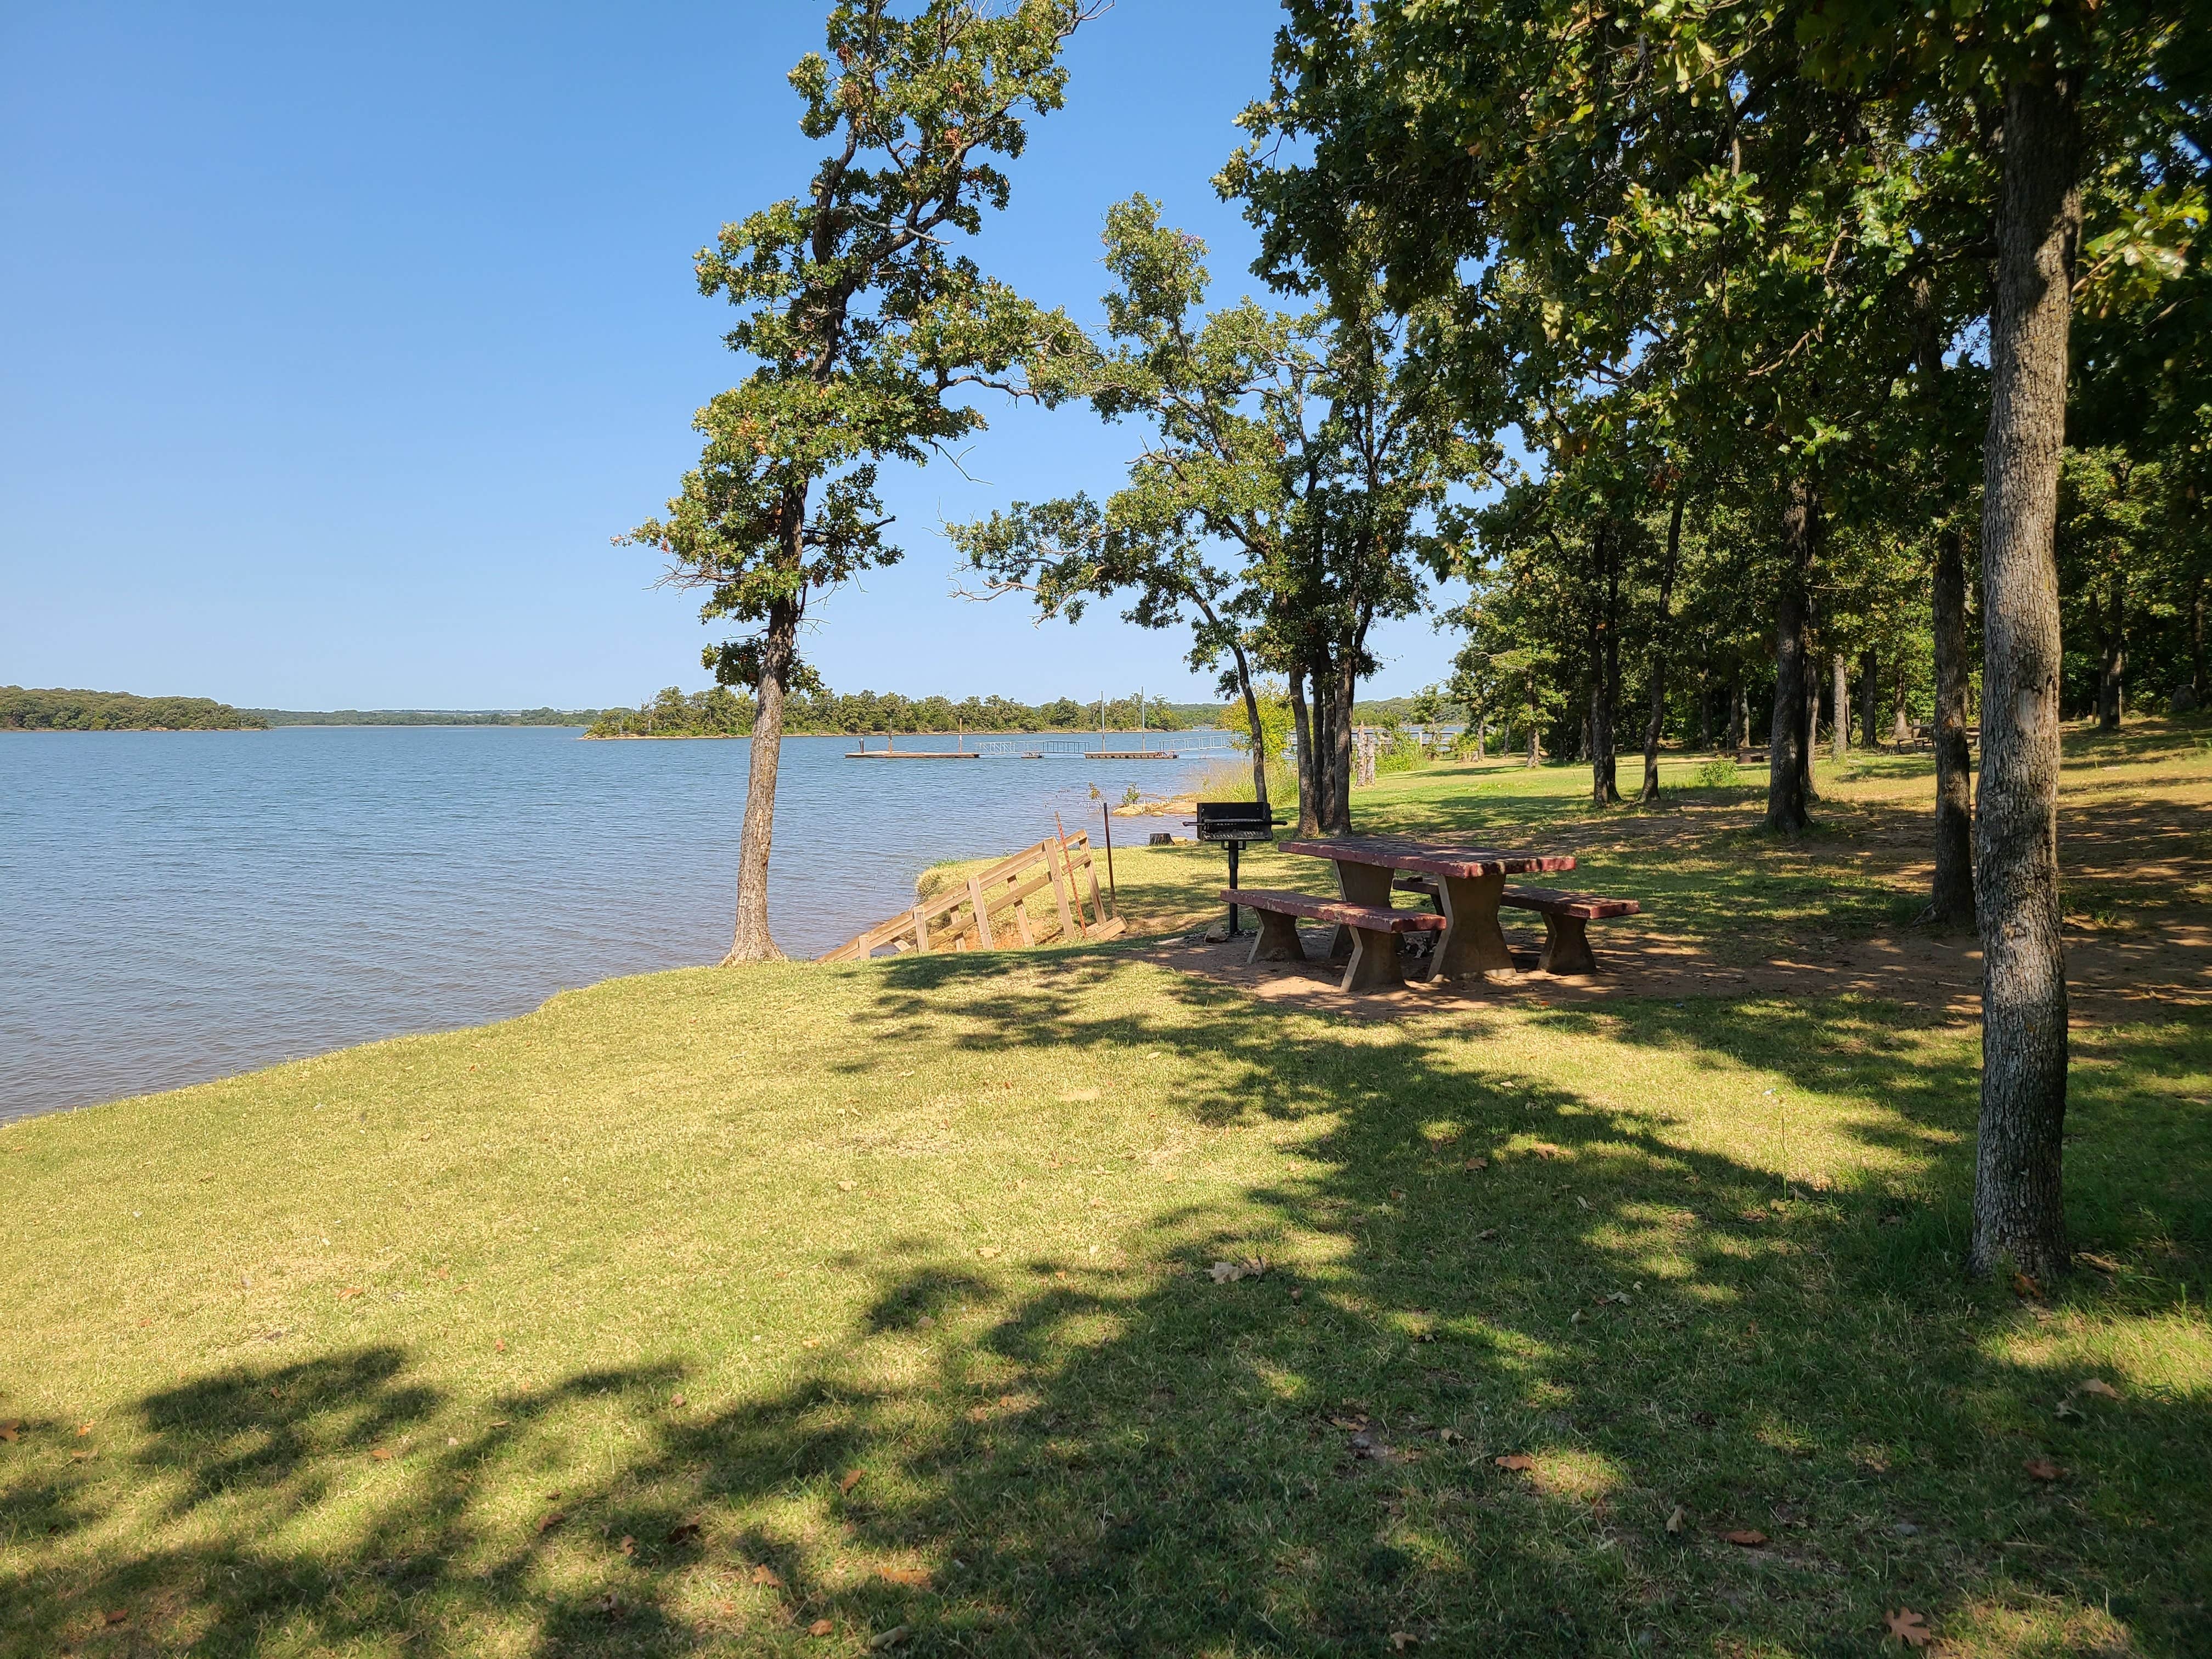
(180,906)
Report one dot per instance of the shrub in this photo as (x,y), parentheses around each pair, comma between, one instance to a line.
(1715,773)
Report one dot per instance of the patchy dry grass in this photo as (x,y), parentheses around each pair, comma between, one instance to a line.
(700,1311)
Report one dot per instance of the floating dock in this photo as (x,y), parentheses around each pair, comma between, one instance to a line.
(1008,752)
(913,754)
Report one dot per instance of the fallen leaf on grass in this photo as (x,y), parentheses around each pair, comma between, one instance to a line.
(499,1345)
(820,1628)
(1517,1461)
(84,1429)
(890,1638)
(12,1430)
(676,1400)
(2099,1388)
(381,1454)
(2025,1288)
(2041,1469)
(987,1251)
(1749,1538)
(2103,1264)
(916,1577)
(766,1574)
(1486,1234)
(1477,1164)
(1909,1627)
(850,1481)
(120,1616)
(551,1521)
(683,1532)
(1401,1640)
(350,1291)
(628,1545)
(809,1342)
(1675,1520)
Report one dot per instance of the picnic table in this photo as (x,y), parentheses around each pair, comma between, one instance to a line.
(1469,880)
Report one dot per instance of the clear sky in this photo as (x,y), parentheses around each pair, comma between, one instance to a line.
(341,340)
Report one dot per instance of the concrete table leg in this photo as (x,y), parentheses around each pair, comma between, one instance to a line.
(1278,940)
(1473,943)
(1360,883)
(1374,965)
(1566,946)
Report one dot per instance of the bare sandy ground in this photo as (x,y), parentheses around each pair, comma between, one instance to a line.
(2138,869)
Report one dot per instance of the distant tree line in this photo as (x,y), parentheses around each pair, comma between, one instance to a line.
(722,712)
(425,716)
(26,709)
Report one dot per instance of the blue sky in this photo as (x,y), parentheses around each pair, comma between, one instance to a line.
(342,340)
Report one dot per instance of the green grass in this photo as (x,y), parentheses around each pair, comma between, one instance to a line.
(891,1281)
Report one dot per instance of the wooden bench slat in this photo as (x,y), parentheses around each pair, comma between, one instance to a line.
(1550,902)
(1317,909)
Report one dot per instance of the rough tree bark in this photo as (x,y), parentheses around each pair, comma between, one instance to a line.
(1870,713)
(1839,703)
(1309,821)
(1659,644)
(2112,658)
(1786,794)
(1343,698)
(1605,675)
(2197,686)
(750,941)
(2019,1208)
(1951,893)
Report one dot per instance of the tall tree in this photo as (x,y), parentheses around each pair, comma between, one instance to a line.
(2072,88)
(862,323)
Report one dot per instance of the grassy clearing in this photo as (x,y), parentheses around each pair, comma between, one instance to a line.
(701,1311)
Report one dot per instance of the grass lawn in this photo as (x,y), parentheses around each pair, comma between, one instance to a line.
(821,1311)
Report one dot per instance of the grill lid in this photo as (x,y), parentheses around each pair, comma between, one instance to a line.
(1234,820)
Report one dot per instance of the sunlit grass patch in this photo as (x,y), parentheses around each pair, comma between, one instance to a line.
(701,1310)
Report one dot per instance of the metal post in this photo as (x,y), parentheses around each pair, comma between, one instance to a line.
(1234,847)
(1106,814)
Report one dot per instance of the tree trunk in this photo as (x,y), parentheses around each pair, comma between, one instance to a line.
(1812,719)
(2196,685)
(2112,662)
(1951,895)
(1309,820)
(1251,722)
(750,941)
(2019,1207)
(1605,671)
(1658,661)
(1705,713)
(1901,718)
(1343,695)
(1533,735)
(1786,794)
(1839,704)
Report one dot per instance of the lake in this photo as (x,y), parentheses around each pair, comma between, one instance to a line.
(181,906)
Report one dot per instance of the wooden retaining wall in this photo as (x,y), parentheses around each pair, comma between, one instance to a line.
(990,910)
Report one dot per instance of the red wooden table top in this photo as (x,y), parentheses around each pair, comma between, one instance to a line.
(1429,858)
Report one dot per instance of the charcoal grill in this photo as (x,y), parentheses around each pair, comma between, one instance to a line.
(1235,825)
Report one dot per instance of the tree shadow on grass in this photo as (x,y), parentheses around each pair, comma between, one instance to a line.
(1137,1457)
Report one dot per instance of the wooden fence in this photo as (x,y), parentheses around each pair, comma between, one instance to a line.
(990,911)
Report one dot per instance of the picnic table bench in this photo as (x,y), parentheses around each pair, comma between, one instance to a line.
(1470,881)
(1374,929)
(1566,917)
